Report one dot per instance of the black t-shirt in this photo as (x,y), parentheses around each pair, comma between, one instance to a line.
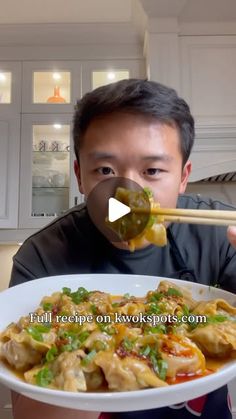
(72,244)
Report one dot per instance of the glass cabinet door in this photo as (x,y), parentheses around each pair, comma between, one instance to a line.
(51,86)
(101,77)
(98,73)
(5,86)
(45,168)
(10,89)
(50,169)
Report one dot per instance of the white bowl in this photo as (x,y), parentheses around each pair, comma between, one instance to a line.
(22,299)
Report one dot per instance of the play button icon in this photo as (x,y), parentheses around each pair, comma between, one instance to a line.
(116,209)
(112,214)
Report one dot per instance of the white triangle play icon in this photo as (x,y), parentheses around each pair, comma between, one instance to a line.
(116,209)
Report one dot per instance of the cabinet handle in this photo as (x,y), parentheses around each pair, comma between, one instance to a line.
(76,200)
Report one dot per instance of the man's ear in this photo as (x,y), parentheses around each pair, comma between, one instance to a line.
(185,175)
(78,176)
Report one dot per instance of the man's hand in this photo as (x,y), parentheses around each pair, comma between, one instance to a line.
(231,232)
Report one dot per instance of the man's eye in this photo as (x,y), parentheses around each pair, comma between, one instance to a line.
(152,171)
(105,171)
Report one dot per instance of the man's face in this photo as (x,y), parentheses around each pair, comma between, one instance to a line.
(134,147)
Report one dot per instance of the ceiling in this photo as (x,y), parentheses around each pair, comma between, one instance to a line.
(56,22)
(97,11)
(192,10)
(61,11)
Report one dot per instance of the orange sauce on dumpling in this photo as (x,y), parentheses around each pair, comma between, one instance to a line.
(182,378)
(212,365)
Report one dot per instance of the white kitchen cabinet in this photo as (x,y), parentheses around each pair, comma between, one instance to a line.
(47,183)
(9,171)
(51,86)
(10,99)
(46,186)
(208,79)
(37,99)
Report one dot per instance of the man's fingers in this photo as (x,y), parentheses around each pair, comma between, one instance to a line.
(231,232)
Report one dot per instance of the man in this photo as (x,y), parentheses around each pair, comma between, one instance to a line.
(142,131)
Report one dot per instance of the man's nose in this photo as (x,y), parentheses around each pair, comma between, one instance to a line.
(132,177)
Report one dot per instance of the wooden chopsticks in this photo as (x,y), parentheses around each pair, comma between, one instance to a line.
(191,216)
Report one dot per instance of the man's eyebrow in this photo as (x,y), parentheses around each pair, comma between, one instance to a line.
(99,155)
(158,157)
(102,155)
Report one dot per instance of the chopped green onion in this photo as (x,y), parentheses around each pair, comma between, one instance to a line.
(67,348)
(156,296)
(66,291)
(145,350)
(94,309)
(88,358)
(51,354)
(148,192)
(193,325)
(127,344)
(151,221)
(80,295)
(162,368)
(74,341)
(44,377)
(153,359)
(217,318)
(47,306)
(160,328)
(83,336)
(36,331)
(185,309)
(43,328)
(63,313)
(110,330)
(63,334)
(153,308)
(174,292)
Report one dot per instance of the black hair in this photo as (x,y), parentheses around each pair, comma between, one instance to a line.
(135,96)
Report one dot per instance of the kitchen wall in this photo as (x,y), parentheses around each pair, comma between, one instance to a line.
(6,254)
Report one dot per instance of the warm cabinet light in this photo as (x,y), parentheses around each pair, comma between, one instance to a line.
(2,77)
(111,75)
(57,126)
(56,76)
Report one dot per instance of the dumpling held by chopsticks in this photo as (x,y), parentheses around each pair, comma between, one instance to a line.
(139,228)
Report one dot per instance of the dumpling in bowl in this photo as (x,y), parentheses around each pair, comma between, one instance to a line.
(216,340)
(129,373)
(182,355)
(19,355)
(213,307)
(183,293)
